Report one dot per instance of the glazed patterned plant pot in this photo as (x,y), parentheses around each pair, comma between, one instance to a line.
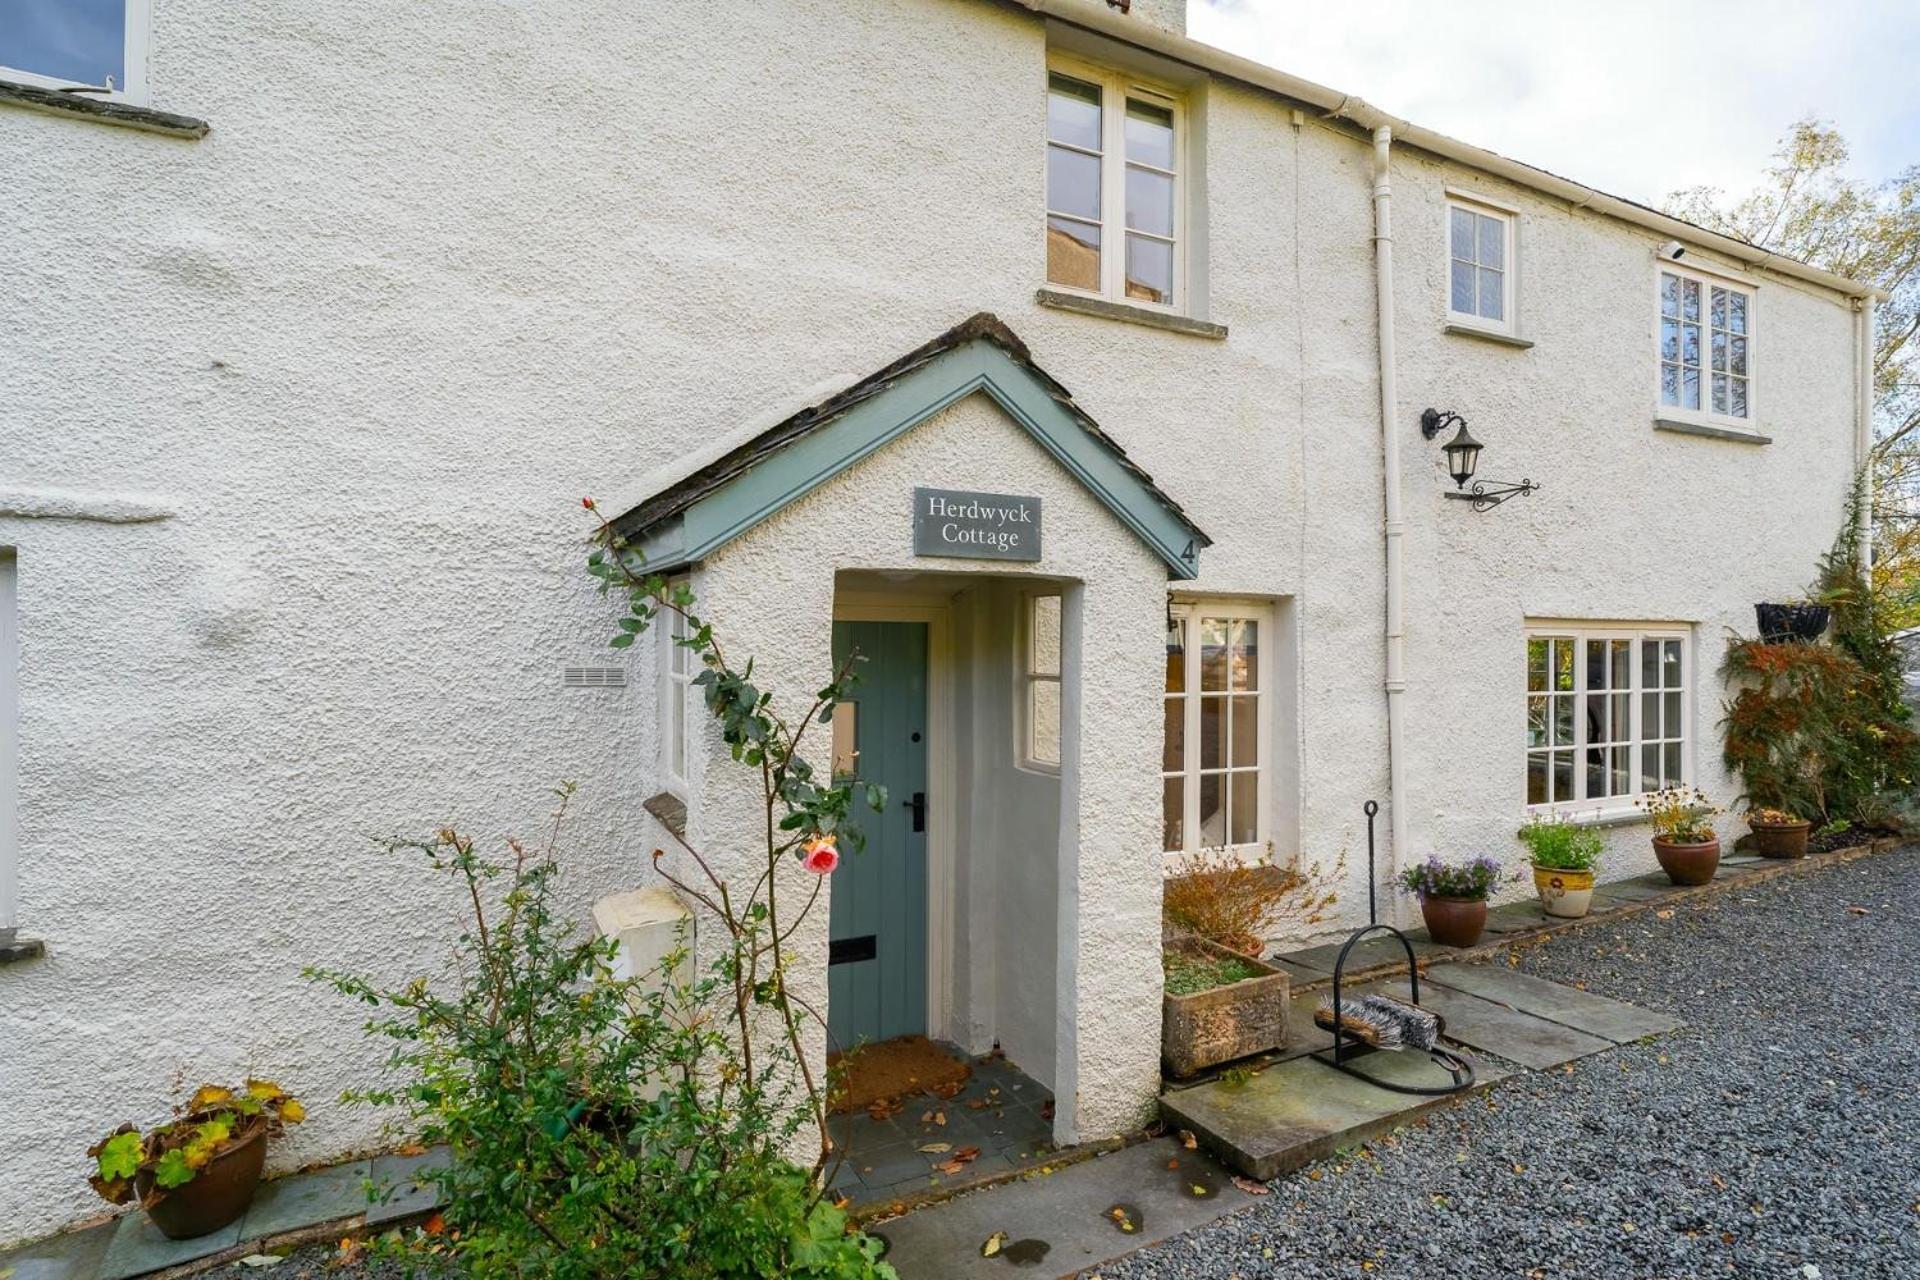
(218,1194)
(1454,922)
(1238,1020)
(1780,839)
(1567,894)
(1687,863)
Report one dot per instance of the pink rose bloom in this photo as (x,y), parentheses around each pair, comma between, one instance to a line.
(819,856)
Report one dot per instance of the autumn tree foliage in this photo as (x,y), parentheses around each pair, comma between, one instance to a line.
(1810,207)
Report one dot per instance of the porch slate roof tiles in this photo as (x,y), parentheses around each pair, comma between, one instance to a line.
(676,500)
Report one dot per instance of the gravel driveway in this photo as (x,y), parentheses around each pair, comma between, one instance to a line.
(1778,1135)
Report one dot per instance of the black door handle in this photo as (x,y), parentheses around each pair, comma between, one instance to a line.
(919,806)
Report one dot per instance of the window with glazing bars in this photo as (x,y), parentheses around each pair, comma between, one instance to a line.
(1607,718)
(1113,187)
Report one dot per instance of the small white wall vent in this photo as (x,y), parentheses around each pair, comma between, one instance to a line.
(594,677)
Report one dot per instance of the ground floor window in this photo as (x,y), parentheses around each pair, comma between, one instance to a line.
(1607,715)
(1214,769)
(1040,682)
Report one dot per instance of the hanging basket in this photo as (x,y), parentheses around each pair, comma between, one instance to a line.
(1788,623)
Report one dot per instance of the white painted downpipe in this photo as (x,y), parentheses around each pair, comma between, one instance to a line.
(1863,329)
(1396,682)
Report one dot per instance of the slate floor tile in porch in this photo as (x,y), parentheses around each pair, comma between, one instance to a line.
(1002,1111)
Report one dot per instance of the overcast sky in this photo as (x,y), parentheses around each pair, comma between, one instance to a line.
(1633,97)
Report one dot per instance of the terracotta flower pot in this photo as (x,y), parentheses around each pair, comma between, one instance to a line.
(218,1195)
(1687,863)
(1454,922)
(1566,894)
(1780,839)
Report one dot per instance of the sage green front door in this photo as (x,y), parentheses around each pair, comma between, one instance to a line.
(877,964)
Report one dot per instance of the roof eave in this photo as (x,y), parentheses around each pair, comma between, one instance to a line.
(1095,16)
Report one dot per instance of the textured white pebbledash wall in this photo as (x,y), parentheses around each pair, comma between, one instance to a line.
(434,275)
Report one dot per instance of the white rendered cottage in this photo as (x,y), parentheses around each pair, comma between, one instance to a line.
(322,317)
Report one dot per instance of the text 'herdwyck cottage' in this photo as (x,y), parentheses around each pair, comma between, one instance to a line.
(980,526)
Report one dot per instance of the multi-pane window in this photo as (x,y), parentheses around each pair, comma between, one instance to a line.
(1480,265)
(1113,187)
(1213,763)
(1606,714)
(1041,684)
(1706,340)
(67,44)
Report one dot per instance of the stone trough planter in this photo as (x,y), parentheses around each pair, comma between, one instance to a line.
(1219,1025)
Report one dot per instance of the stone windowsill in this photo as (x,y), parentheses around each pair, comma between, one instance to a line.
(1107,309)
(1614,816)
(81,106)
(1489,335)
(1682,427)
(669,810)
(15,949)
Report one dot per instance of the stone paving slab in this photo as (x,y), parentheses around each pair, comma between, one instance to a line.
(1518,917)
(398,1192)
(1061,1221)
(73,1255)
(1495,1028)
(287,1204)
(1295,971)
(1642,888)
(138,1247)
(1304,1110)
(1371,954)
(1613,1020)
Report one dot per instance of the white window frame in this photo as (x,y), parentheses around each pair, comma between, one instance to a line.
(1030,675)
(678,666)
(1580,804)
(1192,612)
(1116,87)
(139,22)
(1509,217)
(1709,281)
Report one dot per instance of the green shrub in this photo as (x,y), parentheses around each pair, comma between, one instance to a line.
(599,1128)
(1187,974)
(1558,845)
(1822,730)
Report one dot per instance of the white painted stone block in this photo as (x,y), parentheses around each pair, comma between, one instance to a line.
(649,924)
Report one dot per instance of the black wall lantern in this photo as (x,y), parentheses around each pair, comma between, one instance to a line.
(1463,456)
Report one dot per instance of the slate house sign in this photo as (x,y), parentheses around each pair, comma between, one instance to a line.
(975,526)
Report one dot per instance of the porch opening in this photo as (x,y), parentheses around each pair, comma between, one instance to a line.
(949,923)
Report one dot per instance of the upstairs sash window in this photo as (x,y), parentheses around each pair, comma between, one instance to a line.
(1706,349)
(76,44)
(1114,169)
(1480,265)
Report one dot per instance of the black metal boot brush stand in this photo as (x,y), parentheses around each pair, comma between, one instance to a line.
(1377,1022)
